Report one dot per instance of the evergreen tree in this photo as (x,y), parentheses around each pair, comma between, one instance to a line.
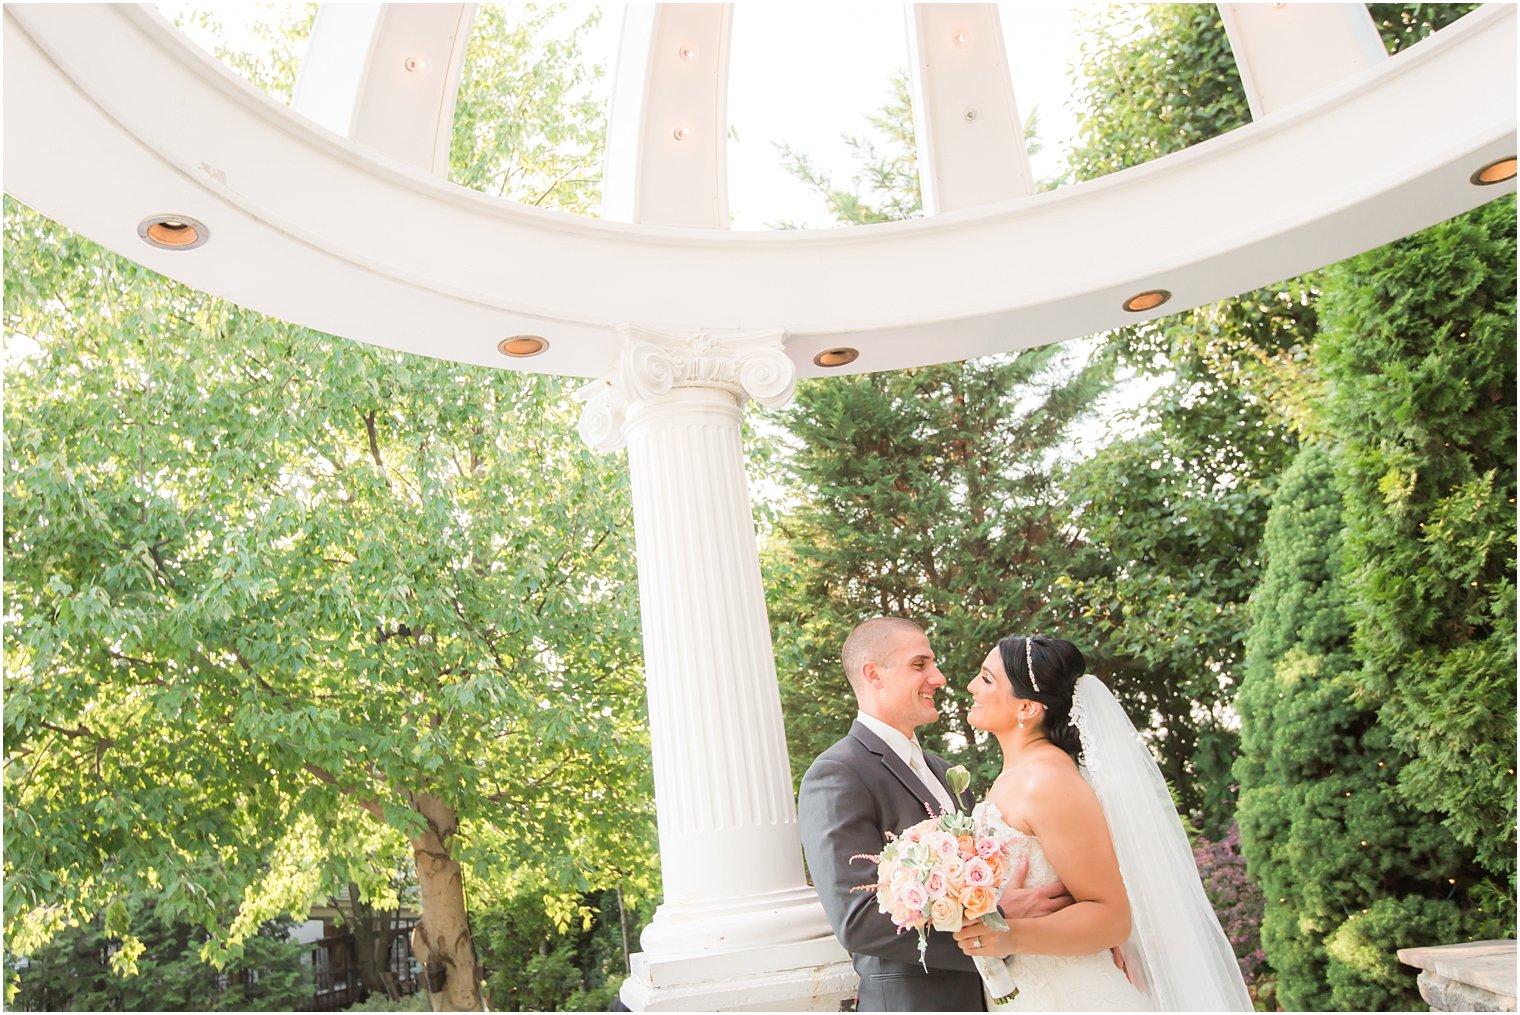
(1177,510)
(1342,858)
(1419,356)
(1176,506)
(929,493)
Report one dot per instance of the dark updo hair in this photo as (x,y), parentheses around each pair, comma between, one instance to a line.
(1057,665)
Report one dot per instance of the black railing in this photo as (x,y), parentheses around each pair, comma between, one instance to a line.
(336,978)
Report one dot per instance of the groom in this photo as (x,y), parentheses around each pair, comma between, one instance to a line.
(878,780)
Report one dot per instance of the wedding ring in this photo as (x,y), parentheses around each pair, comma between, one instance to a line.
(976,942)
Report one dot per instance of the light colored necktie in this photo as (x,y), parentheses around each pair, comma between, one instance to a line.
(920,766)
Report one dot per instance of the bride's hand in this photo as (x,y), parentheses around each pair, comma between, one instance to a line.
(980,940)
(1020,903)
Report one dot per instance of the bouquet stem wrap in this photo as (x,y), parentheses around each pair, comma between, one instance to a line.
(995,974)
(999,982)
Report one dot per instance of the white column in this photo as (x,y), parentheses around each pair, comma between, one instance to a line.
(739,926)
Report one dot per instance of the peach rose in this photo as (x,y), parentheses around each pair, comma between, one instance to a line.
(955,871)
(967,846)
(995,864)
(946,914)
(978,901)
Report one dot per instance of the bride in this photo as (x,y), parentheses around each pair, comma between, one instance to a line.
(1108,830)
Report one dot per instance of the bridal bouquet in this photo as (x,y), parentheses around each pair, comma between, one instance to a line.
(945,872)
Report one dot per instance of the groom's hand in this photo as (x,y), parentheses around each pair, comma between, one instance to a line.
(1020,903)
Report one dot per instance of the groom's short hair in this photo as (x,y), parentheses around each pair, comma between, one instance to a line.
(870,642)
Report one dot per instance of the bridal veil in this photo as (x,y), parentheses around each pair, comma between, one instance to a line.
(1176,950)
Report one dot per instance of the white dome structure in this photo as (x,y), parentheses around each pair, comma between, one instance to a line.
(113,117)
(334,213)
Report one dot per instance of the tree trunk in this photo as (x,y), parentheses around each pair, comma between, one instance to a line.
(372,940)
(441,940)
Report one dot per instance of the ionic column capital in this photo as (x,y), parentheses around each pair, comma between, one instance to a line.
(652,364)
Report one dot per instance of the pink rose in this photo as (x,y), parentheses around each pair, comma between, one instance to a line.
(944,845)
(978,873)
(936,884)
(987,847)
(913,895)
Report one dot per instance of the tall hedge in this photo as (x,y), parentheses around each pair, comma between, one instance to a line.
(1418,351)
(1349,869)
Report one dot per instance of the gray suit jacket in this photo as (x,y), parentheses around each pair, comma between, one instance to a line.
(854,793)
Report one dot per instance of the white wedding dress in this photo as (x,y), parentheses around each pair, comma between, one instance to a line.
(1176,949)
(1058,982)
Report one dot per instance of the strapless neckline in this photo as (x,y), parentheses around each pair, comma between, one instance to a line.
(995,813)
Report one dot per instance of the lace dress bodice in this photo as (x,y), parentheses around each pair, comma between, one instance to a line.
(1058,982)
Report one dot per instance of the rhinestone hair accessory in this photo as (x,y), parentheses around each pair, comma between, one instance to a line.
(1029,662)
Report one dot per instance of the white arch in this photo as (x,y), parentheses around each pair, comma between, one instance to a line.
(112,115)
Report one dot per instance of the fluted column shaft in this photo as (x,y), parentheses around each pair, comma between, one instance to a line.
(722,784)
(729,849)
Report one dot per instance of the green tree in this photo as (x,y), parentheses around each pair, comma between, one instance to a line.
(73,972)
(1341,856)
(526,125)
(1418,352)
(535,963)
(930,493)
(283,609)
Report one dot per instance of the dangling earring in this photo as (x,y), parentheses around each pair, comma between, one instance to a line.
(1021,724)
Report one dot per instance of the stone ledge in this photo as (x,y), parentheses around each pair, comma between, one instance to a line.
(1476,976)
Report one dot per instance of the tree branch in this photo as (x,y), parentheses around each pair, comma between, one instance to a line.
(370,804)
(374,445)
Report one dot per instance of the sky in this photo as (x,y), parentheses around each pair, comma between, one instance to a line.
(836,72)
(809,73)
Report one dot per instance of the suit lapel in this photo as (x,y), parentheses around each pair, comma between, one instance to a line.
(899,768)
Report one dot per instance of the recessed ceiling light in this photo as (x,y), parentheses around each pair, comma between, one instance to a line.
(1148,300)
(836,357)
(172,232)
(522,346)
(1496,171)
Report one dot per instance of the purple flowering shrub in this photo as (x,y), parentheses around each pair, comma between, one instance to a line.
(1239,903)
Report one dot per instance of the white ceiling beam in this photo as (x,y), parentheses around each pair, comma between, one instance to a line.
(387,75)
(1287,53)
(971,147)
(667,132)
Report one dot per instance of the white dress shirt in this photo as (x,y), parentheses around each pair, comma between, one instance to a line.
(912,754)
